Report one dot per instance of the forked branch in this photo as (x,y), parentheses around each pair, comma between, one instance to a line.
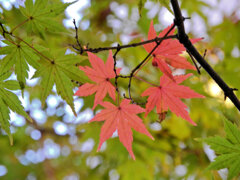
(183,39)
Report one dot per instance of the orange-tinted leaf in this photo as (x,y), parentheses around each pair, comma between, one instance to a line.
(121,118)
(101,74)
(168,95)
(168,53)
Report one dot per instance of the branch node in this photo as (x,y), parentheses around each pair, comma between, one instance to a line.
(184,18)
(184,39)
(177,22)
(118,47)
(228,92)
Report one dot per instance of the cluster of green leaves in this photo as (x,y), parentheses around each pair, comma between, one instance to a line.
(52,65)
(228,150)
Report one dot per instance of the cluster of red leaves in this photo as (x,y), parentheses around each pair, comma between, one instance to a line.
(168,53)
(166,96)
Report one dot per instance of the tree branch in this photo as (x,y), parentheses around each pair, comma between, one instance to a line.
(96,50)
(183,39)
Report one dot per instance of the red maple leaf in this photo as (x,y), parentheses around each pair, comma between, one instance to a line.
(168,95)
(101,74)
(121,118)
(168,53)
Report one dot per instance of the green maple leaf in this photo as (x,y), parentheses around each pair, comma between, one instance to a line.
(164,3)
(40,16)
(9,100)
(18,56)
(60,69)
(228,149)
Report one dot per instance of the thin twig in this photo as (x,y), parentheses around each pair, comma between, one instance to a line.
(205,53)
(4,31)
(141,79)
(76,37)
(158,42)
(122,76)
(115,71)
(194,62)
(133,101)
(11,41)
(136,68)
(96,50)
(143,65)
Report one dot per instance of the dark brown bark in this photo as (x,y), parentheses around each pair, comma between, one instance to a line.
(183,38)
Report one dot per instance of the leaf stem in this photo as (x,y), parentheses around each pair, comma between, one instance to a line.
(41,54)
(20,39)
(142,65)
(140,79)
(19,25)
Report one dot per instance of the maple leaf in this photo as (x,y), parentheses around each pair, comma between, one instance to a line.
(9,100)
(19,56)
(168,95)
(168,53)
(101,74)
(121,118)
(59,69)
(40,16)
(228,150)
